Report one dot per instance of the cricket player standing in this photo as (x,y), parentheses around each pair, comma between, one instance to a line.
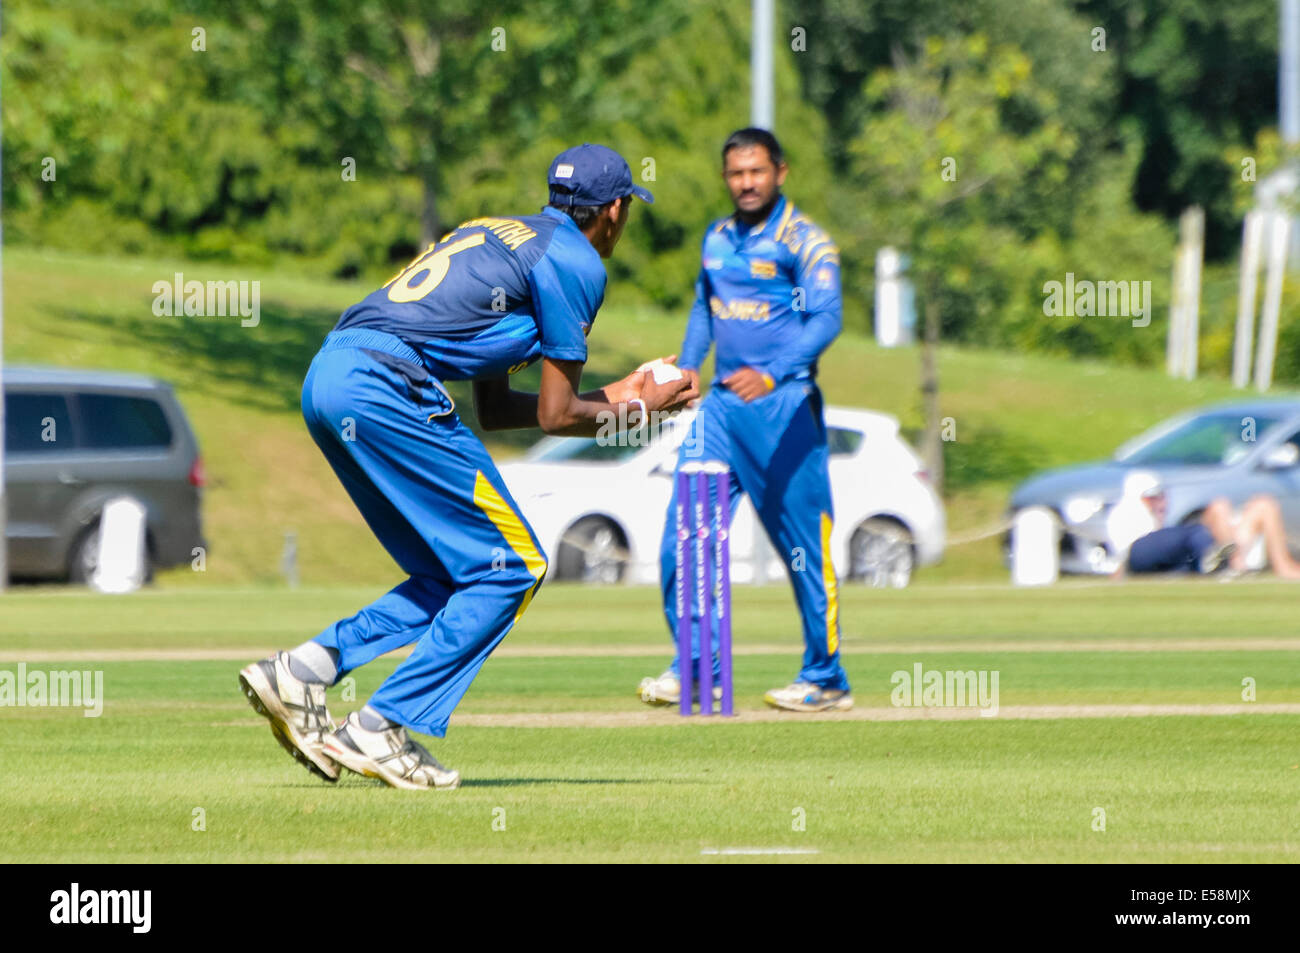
(768,299)
(493,296)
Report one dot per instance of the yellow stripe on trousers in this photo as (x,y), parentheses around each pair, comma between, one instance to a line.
(832,590)
(516,534)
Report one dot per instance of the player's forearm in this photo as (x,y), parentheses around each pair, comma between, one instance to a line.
(517,410)
(500,408)
(818,332)
(587,415)
(699,336)
(518,416)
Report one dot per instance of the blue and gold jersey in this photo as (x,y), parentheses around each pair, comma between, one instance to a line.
(492,296)
(767,296)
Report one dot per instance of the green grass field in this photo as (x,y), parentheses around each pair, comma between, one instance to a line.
(562,763)
(1126,699)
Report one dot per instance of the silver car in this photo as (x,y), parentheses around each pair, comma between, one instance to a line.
(1234,450)
(75,439)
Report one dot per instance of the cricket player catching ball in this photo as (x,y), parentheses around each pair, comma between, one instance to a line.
(490,298)
(768,299)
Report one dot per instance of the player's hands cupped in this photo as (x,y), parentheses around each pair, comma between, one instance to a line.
(629,388)
(670,395)
(749,384)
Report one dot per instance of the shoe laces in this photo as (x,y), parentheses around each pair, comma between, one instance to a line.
(421,754)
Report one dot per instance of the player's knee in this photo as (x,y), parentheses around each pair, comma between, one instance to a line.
(1218,508)
(1258,507)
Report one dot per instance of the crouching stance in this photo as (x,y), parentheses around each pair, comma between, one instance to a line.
(493,296)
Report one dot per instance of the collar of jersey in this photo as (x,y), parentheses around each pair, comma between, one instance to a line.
(773,216)
(556,213)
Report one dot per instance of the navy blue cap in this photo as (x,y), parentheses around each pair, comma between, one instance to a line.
(592,175)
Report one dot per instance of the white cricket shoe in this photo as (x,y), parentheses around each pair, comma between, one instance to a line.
(805,696)
(389,755)
(667,690)
(296,710)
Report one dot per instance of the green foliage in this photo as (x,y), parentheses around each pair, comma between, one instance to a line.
(1195,77)
(988,455)
(236,152)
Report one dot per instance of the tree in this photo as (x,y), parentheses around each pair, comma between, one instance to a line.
(416,89)
(937,160)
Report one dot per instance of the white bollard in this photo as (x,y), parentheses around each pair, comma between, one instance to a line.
(895,300)
(1035,548)
(121,547)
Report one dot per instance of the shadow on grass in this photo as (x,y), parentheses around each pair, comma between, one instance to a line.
(260,367)
(369,783)
(263,367)
(523,782)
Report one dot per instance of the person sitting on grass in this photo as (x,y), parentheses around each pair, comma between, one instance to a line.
(1257,532)
(1247,539)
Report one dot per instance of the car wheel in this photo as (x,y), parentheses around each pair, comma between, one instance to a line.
(83,557)
(593,550)
(881,554)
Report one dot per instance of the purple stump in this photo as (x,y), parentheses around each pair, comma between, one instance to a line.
(683,602)
(703,591)
(722,509)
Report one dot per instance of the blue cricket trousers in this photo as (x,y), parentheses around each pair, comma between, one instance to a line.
(1170,549)
(431,494)
(776,449)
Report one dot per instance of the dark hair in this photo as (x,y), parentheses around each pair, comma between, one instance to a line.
(753,136)
(583,215)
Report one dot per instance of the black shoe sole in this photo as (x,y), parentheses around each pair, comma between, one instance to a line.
(285,742)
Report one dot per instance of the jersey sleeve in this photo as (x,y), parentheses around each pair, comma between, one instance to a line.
(699,327)
(566,297)
(817,275)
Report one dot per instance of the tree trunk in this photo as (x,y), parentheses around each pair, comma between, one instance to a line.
(932,445)
(430,226)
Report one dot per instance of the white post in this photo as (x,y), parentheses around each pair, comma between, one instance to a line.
(1252,232)
(1035,548)
(762,111)
(1177,313)
(1278,238)
(1193,227)
(121,546)
(889,311)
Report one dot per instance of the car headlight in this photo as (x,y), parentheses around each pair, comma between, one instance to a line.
(1077,509)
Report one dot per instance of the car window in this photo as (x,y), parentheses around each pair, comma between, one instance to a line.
(119,422)
(842,442)
(586,450)
(1217,438)
(37,423)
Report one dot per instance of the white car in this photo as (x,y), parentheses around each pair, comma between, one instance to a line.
(599,507)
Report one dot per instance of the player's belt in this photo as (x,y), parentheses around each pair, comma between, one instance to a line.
(374,341)
(418,376)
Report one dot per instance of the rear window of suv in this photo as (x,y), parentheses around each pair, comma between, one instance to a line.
(37,422)
(113,422)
